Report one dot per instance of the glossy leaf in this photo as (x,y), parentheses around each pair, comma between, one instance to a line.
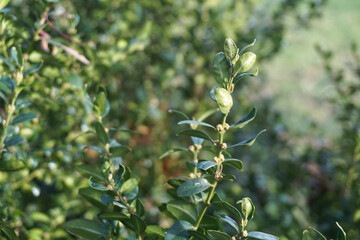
(93,196)
(221,69)
(196,123)
(247,207)
(247,46)
(119,151)
(181,115)
(129,185)
(192,186)
(34,68)
(7,232)
(135,223)
(96,185)
(195,133)
(223,99)
(248,118)
(101,133)
(113,216)
(228,220)
(99,105)
(197,141)
(23,118)
(236,163)
(90,171)
(198,235)
(139,206)
(223,205)
(84,228)
(155,231)
(210,222)
(178,231)
(13,141)
(120,205)
(245,62)
(182,210)
(8,63)
(246,74)
(262,236)
(14,55)
(218,235)
(205,165)
(230,49)
(248,142)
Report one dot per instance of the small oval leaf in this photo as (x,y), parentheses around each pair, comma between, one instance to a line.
(84,228)
(197,123)
(195,133)
(24,117)
(192,186)
(248,142)
(262,236)
(248,118)
(178,231)
(129,185)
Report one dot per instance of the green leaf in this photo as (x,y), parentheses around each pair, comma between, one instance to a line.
(236,163)
(245,62)
(195,133)
(14,55)
(182,210)
(155,231)
(246,74)
(34,68)
(90,171)
(210,222)
(230,49)
(129,185)
(176,149)
(221,69)
(6,231)
(4,98)
(113,216)
(262,236)
(84,228)
(7,62)
(198,235)
(119,151)
(218,235)
(248,142)
(101,133)
(248,118)
(196,123)
(3,3)
(247,46)
(181,115)
(247,207)
(192,186)
(40,217)
(13,141)
(205,165)
(99,105)
(223,205)
(318,233)
(228,220)
(135,223)
(9,162)
(178,231)
(120,205)
(93,196)
(96,185)
(223,99)
(341,233)
(139,206)
(24,117)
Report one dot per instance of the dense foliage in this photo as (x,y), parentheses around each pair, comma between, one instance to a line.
(67,64)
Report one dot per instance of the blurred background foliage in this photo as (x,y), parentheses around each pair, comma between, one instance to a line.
(152,56)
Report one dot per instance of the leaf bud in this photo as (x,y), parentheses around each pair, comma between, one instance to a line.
(247,208)
(116,198)
(244,233)
(230,49)
(223,146)
(192,175)
(223,99)
(216,159)
(219,128)
(109,187)
(216,142)
(226,126)
(198,174)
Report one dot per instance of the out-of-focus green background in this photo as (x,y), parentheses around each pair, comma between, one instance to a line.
(152,56)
